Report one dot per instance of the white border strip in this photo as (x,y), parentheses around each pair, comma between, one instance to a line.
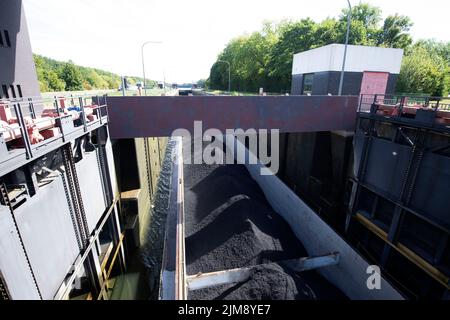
(180,269)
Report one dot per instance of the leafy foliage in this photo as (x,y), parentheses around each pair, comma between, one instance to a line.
(426,69)
(264,58)
(395,32)
(59,76)
(71,77)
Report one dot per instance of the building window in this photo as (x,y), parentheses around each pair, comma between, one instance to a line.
(308,83)
(8,42)
(5,91)
(13,91)
(19,91)
(5,41)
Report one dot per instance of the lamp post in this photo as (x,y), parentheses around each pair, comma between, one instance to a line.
(143,65)
(229,74)
(349,21)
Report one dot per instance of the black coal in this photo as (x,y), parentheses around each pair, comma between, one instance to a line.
(229,224)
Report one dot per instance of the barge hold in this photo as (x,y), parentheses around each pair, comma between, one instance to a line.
(229,224)
(229,242)
(362,188)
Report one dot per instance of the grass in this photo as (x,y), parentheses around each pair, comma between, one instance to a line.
(150,92)
(241,93)
(233,93)
(110,92)
(46,95)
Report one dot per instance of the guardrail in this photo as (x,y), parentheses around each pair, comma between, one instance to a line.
(32,126)
(431,111)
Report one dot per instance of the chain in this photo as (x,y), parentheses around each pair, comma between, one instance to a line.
(148,166)
(100,170)
(74,217)
(75,192)
(5,200)
(103,167)
(4,295)
(78,191)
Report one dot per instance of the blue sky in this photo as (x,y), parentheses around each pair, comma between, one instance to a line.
(108,34)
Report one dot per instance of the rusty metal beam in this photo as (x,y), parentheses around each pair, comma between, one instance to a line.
(132,117)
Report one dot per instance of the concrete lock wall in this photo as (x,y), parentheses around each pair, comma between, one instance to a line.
(140,161)
(316,166)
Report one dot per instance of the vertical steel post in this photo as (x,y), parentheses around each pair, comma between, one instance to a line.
(99,110)
(24,130)
(31,108)
(123,86)
(55,103)
(349,21)
(83,114)
(104,106)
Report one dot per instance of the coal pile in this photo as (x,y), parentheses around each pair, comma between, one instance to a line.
(229,224)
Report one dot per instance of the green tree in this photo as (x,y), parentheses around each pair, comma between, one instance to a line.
(328,31)
(295,37)
(71,75)
(43,86)
(40,71)
(219,71)
(441,49)
(423,72)
(264,58)
(365,24)
(436,47)
(255,57)
(395,32)
(201,83)
(95,80)
(52,74)
(113,81)
(368,15)
(54,82)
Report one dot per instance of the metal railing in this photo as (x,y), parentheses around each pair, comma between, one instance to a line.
(430,112)
(367,101)
(20,116)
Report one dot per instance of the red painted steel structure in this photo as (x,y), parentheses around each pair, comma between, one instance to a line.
(132,117)
(374,82)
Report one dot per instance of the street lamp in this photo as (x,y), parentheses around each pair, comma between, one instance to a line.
(143,65)
(229,74)
(349,21)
